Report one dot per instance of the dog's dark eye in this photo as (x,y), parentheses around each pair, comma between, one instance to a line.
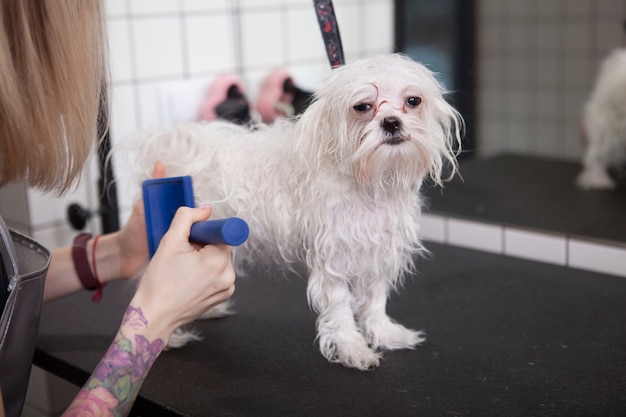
(413,101)
(362,107)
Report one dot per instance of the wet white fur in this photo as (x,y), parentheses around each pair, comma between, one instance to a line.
(604,124)
(326,192)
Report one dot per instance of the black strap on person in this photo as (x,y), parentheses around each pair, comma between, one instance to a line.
(330,31)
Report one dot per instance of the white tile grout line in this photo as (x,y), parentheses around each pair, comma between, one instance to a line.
(568,241)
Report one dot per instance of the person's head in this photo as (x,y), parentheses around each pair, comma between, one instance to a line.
(53,68)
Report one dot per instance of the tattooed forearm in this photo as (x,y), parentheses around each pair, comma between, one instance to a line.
(112,388)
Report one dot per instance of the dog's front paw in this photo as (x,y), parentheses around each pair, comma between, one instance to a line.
(595,178)
(351,351)
(393,336)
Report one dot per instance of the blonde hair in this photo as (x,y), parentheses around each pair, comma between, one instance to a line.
(52,80)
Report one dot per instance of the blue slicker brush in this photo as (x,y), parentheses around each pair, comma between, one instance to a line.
(163,196)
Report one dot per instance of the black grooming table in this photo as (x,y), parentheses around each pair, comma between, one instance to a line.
(534,193)
(506,337)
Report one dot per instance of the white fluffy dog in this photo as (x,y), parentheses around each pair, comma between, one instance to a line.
(336,190)
(604,125)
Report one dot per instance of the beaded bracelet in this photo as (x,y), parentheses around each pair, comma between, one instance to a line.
(87,278)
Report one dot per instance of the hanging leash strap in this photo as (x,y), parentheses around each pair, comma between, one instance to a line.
(330,31)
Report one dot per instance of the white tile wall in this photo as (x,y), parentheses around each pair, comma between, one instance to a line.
(351,28)
(300,46)
(597,257)
(122,65)
(116,7)
(434,228)
(252,4)
(376,16)
(535,246)
(605,257)
(204,5)
(159,49)
(125,109)
(153,6)
(469,234)
(262,38)
(200,31)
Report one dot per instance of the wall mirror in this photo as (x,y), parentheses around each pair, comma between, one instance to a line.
(520,73)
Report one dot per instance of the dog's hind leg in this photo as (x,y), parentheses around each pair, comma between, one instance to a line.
(181,336)
(221,310)
(379,329)
(339,338)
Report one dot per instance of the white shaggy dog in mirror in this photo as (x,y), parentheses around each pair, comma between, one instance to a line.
(336,190)
(604,126)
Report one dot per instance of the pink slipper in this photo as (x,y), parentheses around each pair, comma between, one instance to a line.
(226,91)
(273,101)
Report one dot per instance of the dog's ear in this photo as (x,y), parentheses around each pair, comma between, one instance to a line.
(445,124)
(323,130)
(449,130)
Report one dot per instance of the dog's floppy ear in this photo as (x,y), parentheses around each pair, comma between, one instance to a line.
(452,128)
(449,125)
(323,131)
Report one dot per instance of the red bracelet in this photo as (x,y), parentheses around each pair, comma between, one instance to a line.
(88,279)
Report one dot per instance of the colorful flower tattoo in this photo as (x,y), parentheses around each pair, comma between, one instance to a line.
(113,387)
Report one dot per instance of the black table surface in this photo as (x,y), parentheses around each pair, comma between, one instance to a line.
(506,337)
(531,192)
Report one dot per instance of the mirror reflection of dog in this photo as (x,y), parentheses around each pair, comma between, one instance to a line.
(604,127)
(336,189)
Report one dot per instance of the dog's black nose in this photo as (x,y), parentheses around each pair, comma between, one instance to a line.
(391,124)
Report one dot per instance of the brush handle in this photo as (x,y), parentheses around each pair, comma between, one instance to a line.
(232,231)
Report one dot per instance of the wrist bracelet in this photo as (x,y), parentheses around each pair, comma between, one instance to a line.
(87,278)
